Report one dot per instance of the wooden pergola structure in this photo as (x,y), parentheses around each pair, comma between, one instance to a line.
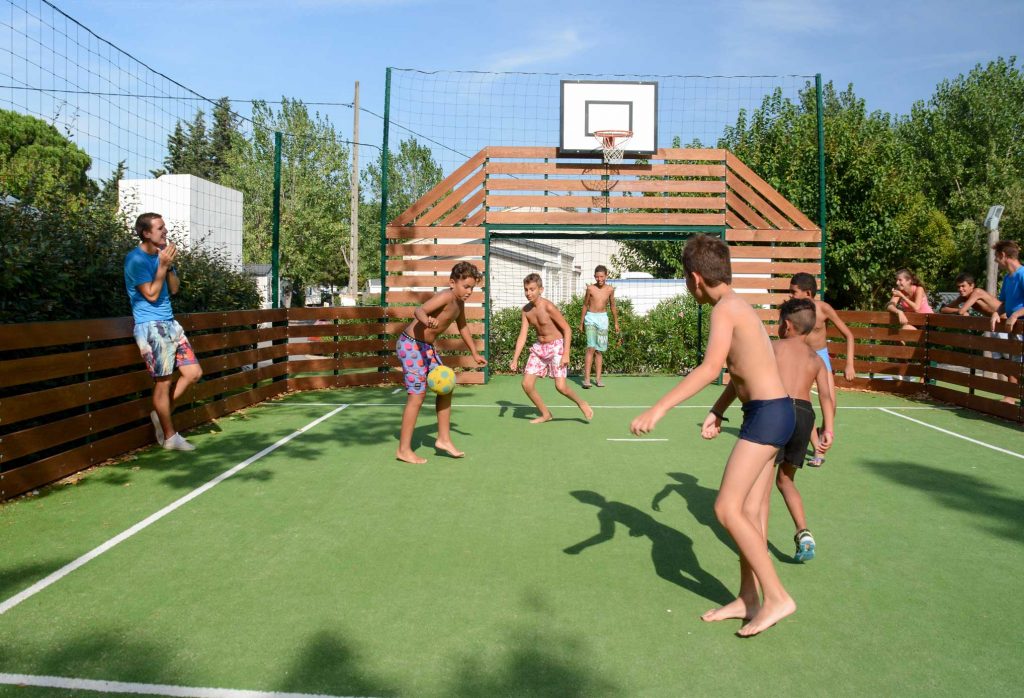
(676,193)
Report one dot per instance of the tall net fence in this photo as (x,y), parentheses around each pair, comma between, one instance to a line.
(119,112)
(456,114)
(84,120)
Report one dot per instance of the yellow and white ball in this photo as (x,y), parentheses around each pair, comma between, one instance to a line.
(441,380)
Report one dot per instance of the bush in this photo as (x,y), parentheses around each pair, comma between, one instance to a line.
(69,265)
(660,342)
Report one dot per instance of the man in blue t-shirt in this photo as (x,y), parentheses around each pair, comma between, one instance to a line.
(1011,296)
(150,279)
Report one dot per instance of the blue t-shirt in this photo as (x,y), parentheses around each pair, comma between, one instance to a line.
(1012,292)
(140,268)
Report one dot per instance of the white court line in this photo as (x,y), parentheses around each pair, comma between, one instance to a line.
(636,440)
(953,433)
(148,689)
(396,391)
(145,523)
(573,407)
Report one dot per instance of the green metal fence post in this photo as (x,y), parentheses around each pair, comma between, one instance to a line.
(384,165)
(275,227)
(821,174)
(487,304)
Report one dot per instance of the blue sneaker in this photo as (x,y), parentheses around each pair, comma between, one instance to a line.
(804,545)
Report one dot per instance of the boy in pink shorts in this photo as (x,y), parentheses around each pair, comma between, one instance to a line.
(549,356)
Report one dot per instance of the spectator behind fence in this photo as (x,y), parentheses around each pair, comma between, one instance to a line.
(970,296)
(908,297)
(1011,296)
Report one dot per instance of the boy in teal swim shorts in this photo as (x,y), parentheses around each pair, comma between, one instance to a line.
(596,300)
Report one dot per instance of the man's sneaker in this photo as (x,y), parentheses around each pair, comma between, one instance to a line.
(804,545)
(178,443)
(156,426)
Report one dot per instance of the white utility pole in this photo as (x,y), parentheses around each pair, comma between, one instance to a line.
(353,269)
(992,223)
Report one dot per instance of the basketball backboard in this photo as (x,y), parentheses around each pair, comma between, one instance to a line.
(591,105)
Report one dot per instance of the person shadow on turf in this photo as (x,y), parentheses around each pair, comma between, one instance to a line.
(700,502)
(671,551)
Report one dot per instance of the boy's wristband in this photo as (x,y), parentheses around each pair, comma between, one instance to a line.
(719,415)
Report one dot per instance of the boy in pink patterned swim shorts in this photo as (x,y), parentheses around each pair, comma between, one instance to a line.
(550,355)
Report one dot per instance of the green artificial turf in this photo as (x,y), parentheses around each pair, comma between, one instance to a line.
(329,567)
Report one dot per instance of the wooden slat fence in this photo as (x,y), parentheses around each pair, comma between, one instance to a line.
(535,188)
(944,358)
(75,394)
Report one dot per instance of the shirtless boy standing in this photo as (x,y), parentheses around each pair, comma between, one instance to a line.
(550,355)
(800,368)
(417,357)
(738,339)
(804,285)
(596,300)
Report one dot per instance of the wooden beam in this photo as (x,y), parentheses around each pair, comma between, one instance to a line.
(449,183)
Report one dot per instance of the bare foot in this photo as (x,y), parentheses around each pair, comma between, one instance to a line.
(541,419)
(588,411)
(410,457)
(769,615)
(737,608)
(448,448)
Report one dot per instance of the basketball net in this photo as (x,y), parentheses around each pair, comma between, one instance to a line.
(611,143)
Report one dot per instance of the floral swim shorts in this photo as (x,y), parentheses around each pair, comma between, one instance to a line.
(546,360)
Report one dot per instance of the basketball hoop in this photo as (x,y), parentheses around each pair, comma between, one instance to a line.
(611,141)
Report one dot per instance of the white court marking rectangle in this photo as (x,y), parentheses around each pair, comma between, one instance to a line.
(596,407)
(952,433)
(153,518)
(146,689)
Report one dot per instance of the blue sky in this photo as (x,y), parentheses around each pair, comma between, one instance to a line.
(894,52)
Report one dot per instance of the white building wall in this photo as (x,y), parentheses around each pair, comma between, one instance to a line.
(196,211)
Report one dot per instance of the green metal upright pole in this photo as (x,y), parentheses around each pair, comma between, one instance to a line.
(384,164)
(487,304)
(821,174)
(275,227)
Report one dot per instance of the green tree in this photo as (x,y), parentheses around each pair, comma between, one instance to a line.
(174,162)
(224,136)
(969,139)
(314,193)
(108,196)
(41,167)
(878,217)
(196,154)
(412,172)
(41,280)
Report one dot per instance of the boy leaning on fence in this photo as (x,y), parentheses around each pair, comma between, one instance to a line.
(151,279)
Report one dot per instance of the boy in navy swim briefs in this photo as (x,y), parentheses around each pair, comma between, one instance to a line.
(739,340)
